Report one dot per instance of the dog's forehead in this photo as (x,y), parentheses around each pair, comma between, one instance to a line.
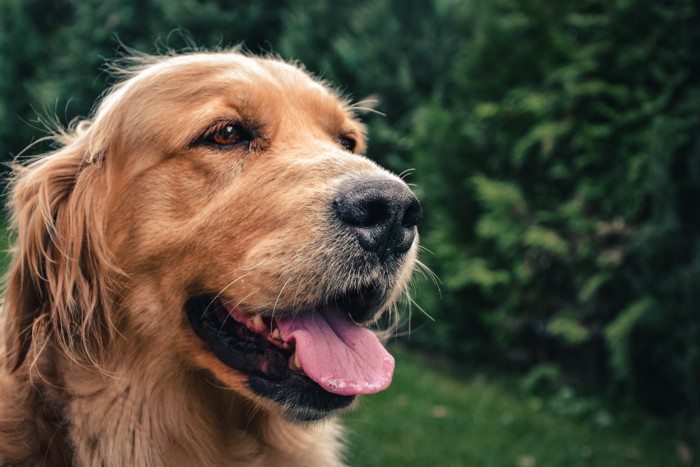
(276,77)
(236,68)
(199,78)
(185,75)
(291,73)
(193,90)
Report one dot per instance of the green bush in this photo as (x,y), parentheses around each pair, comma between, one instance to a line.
(560,174)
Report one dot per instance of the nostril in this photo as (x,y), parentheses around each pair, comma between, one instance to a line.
(413,214)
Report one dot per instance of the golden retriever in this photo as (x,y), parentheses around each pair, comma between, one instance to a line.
(194,271)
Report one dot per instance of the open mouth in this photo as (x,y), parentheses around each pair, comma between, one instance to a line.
(311,362)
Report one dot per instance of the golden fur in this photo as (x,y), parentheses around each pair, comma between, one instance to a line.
(128,218)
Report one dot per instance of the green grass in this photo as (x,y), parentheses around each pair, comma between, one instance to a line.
(438,417)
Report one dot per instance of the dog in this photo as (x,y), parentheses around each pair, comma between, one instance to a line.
(195,271)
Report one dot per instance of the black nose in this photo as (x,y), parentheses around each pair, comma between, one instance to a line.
(383,213)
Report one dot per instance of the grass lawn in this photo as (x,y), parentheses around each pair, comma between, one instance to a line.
(438,417)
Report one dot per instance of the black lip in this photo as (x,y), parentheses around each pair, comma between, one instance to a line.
(265,364)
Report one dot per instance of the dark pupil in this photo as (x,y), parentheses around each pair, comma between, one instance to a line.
(226,135)
(348,143)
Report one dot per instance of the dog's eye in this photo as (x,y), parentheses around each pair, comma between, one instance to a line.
(227,135)
(347,142)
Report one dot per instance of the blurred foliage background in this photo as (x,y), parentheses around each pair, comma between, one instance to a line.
(556,147)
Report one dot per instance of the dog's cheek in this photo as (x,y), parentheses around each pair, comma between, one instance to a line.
(165,201)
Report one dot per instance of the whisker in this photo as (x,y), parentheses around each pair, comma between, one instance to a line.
(274,307)
(368,109)
(424,269)
(423,248)
(296,295)
(427,315)
(250,268)
(406,173)
(410,313)
(256,265)
(367,105)
(407,332)
(221,292)
(228,315)
(409,302)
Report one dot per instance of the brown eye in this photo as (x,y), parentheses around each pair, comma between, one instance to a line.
(347,142)
(227,135)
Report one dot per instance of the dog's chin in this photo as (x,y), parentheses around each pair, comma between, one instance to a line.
(249,347)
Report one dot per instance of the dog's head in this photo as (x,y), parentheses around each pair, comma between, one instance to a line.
(218,208)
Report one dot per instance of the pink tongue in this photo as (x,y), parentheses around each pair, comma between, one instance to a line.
(342,357)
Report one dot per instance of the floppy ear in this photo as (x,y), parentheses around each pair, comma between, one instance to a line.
(58,281)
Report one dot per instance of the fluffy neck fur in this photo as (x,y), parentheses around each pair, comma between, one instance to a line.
(145,411)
